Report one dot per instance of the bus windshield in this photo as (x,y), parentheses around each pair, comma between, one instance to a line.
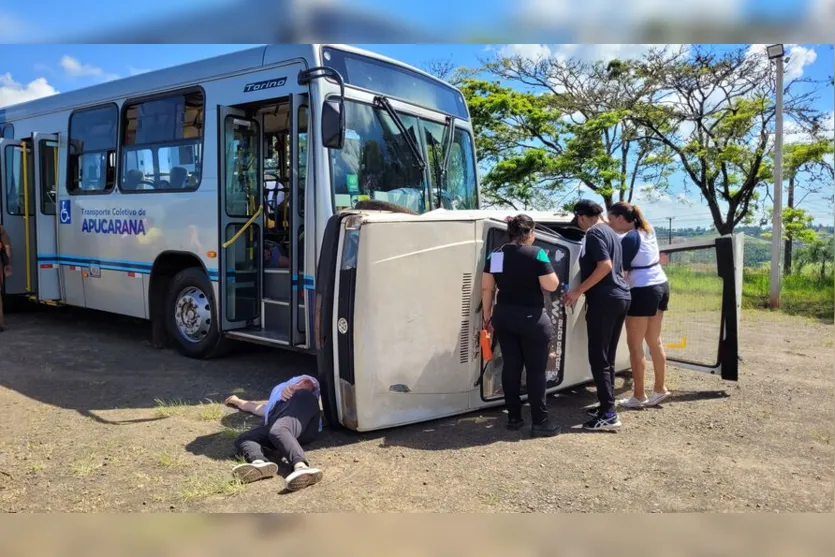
(377,163)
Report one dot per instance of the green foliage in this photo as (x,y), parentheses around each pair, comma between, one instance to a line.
(801,293)
(798,157)
(549,127)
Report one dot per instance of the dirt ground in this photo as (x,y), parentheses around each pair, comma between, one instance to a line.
(94,419)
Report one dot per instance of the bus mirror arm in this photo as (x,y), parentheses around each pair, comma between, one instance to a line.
(333,110)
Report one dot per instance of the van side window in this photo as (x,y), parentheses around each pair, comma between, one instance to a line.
(92,160)
(162,143)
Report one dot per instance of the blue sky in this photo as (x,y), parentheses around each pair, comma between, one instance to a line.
(32,70)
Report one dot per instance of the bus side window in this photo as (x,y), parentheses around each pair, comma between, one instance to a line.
(162,143)
(92,150)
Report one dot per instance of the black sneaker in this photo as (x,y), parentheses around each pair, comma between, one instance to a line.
(603,423)
(515,424)
(594,411)
(545,429)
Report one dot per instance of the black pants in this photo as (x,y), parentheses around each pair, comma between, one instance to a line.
(604,323)
(523,335)
(290,424)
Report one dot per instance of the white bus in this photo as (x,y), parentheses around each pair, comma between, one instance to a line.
(189,196)
(216,199)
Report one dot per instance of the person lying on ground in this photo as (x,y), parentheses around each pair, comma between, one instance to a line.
(291,419)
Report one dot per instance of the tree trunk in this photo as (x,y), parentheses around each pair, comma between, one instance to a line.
(724,228)
(607,201)
(787,250)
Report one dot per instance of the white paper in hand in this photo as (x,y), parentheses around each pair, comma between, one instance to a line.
(496,262)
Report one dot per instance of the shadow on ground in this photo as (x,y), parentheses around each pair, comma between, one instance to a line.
(94,362)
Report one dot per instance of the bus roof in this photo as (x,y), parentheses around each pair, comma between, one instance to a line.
(177,76)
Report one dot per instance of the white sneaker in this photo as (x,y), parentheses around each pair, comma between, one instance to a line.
(632,402)
(254,471)
(657,398)
(303,477)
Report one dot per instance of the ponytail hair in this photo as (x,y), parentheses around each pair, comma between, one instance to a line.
(632,214)
(640,220)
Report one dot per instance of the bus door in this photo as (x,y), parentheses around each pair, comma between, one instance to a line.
(47,170)
(241,206)
(701,327)
(18,202)
(560,252)
(302,282)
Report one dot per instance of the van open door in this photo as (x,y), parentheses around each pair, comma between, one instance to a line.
(701,327)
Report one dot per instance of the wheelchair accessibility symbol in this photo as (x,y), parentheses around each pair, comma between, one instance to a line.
(66,215)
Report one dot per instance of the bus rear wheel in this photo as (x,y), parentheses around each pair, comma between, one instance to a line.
(190,315)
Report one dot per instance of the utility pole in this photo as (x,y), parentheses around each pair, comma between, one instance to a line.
(776,52)
(670,229)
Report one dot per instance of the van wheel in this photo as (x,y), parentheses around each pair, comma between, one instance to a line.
(190,315)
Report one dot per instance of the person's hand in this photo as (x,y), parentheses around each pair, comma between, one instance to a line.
(570,298)
(7,270)
(487,324)
(233,401)
(288,392)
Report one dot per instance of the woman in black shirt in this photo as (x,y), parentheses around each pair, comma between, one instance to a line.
(522,327)
(607,301)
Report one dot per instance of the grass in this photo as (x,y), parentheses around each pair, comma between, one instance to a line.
(822,437)
(85,466)
(800,294)
(209,486)
(169,408)
(232,432)
(172,461)
(211,412)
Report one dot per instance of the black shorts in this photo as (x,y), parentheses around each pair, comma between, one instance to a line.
(649,300)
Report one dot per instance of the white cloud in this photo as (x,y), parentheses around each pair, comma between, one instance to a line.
(648,193)
(12,92)
(799,58)
(585,52)
(74,68)
(530,51)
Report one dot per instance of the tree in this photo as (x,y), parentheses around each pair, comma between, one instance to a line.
(551,126)
(797,228)
(448,71)
(811,159)
(818,251)
(713,110)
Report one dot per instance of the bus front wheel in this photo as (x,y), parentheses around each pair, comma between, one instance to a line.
(190,314)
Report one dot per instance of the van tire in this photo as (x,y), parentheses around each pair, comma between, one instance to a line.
(191,317)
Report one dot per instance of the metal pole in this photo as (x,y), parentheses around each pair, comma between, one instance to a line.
(670,230)
(776,227)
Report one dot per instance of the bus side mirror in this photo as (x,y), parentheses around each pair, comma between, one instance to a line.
(333,124)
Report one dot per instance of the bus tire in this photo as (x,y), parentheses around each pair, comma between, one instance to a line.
(191,315)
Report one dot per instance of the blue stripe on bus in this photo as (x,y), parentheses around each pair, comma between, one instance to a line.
(145,268)
(107,264)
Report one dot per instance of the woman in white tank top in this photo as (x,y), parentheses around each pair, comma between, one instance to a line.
(650,297)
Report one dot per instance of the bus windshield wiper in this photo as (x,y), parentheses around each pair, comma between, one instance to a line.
(448,147)
(383,102)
